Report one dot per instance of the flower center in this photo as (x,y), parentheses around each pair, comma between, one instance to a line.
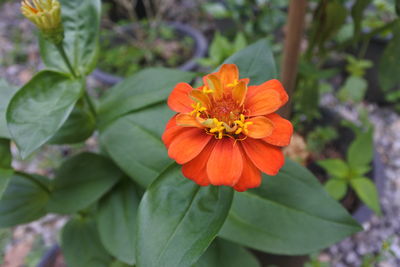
(226,110)
(223,118)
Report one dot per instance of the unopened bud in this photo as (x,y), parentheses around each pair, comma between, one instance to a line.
(46,15)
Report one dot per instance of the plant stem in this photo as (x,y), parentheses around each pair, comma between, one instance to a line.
(291,52)
(60,49)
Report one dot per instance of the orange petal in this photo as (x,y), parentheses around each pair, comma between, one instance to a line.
(196,169)
(251,176)
(171,133)
(270,85)
(228,73)
(268,158)
(262,103)
(214,83)
(239,92)
(179,99)
(171,122)
(245,80)
(188,144)
(202,97)
(283,130)
(225,164)
(186,120)
(260,127)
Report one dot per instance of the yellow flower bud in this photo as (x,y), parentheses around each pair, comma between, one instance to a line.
(46,15)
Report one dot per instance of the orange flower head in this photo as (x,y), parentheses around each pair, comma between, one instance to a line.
(226,132)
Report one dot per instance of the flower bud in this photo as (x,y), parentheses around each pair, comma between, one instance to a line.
(46,15)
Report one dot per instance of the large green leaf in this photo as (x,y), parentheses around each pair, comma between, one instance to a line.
(145,88)
(389,67)
(40,108)
(81,20)
(116,221)
(24,200)
(222,253)
(6,93)
(134,143)
(81,181)
(6,170)
(178,219)
(289,214)
(255,62)
(79,126)
(81,244)
(366,191)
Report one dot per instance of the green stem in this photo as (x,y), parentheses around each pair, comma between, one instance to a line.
(60,49)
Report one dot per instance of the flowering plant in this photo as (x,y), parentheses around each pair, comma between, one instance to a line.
(129,202)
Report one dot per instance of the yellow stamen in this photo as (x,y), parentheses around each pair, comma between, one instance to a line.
(197,109)
(242,125)
(235,82)
(218,127)
(207,90)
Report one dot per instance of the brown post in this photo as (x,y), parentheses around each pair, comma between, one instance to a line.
(291,51)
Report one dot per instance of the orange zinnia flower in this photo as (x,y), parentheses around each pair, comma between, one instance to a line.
(225,132)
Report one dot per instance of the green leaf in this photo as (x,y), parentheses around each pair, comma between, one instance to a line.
(116,222)
(120,264)
(289,214)
(353,90)
(40,108)
(255,62)
(222,253)
(5,154)
(81,246)
(366,191)
(81,20)
(24,200)
(337,188)
(79,126)
(389,67)
(6,170)
(81,181)
(134,143)
(145,88)
(220,48)
(360,171)
(240,41)
(6,93)
(5,177)
(178,219)
(360,152)
(335,167)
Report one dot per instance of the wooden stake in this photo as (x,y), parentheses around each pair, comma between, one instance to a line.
(291,51)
